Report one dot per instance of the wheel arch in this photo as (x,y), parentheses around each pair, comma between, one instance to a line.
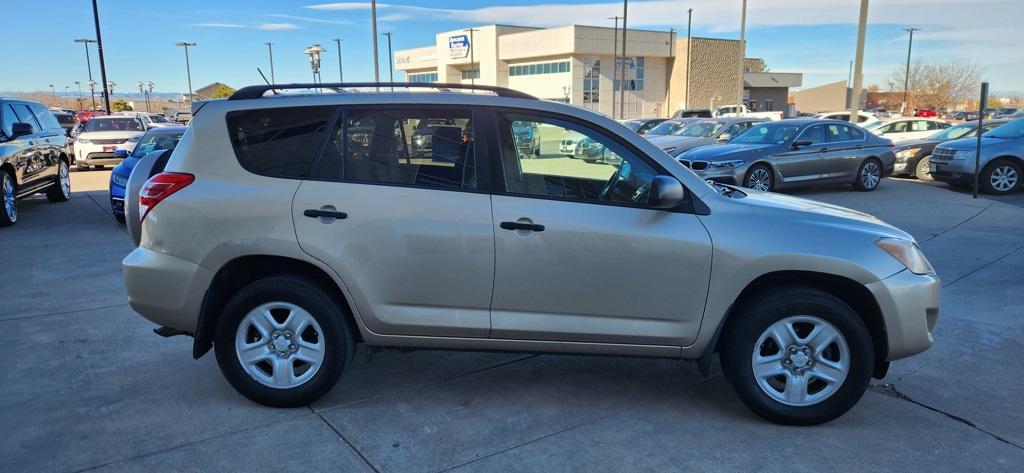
(765,163)
(243,270)
(852,293)
(9,168)
(1018,160)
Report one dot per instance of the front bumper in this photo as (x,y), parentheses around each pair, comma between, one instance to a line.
(117,199)
(100,154)
(910,307)
(955,171)
(165,289)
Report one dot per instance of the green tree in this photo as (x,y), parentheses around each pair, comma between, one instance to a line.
(120,105)
(222,91)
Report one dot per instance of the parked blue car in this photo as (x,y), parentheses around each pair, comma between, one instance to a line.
(155,139)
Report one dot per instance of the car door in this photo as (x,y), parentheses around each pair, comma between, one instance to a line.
(50,141)
(579,257)
(409,233)
(845,150)
(33,160)
(804,163)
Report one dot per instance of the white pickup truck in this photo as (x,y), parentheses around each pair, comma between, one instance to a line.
(741,111)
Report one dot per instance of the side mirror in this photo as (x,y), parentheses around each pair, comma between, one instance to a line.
(724,137)
(797,144)
(20,129)
(121,153)
(666,192)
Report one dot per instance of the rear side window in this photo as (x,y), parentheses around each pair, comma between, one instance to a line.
(8,119)
(25,116)
(45,117)
(278,142)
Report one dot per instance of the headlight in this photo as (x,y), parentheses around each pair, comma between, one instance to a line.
(84,141)
(119,180)
(135,139)
(726,164)
(964,154)
(906,252)
(907,153)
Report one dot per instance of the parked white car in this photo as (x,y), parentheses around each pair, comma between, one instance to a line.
(741,111)
(908,128)
(101,139)
(152,120)
(864,119)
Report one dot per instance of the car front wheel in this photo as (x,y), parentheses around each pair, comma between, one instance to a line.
(869,175)
(1000,177)
(922,171)
(283,341)
(9,212)
(797,355)
(759,178)
(61,190)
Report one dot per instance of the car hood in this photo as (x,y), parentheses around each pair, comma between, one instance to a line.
(970,143)
(680,143)
(822,213)
(901,145)
(99,135)
(730,151)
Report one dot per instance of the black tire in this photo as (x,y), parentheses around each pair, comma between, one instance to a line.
(870,166)
(755,177)
(760,311)
(98,168)
(985,180)
(337,334)
(922,171)
(6,218)
(82,167)
(56,192)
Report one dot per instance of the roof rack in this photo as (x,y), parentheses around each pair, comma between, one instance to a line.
(257,91)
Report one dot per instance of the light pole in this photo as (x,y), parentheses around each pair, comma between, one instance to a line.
(473,70)
(341,75)
(110,87)
(622,74)
(615,62)
(99,49)
(906,75)
(149,93)
(80,99)
(270,52)
(92,91)
(314,53)
(88,65)
(391,62)
(689,24)
(858,66)
(188,68)
(743,49)
(53,92)
(376,54)
(671,53)
(143,92)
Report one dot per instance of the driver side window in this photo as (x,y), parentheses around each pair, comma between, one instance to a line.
(552,158)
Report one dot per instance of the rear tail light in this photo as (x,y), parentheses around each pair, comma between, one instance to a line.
(159,187)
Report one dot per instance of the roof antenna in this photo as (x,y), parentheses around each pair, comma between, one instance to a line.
(265,80)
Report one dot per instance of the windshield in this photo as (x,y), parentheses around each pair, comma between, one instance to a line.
(1009,131)
(953,132)
(666,128)
(872,126)
(113,124)
(633,125)
(767,133)
(699,129)
(156,142)
(158,119)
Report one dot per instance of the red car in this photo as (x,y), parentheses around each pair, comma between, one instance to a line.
(85,115)
(925,112)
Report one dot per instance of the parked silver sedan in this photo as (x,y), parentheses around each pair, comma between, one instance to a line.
(796,152)
(703,132)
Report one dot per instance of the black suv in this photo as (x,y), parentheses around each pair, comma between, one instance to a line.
(32,157)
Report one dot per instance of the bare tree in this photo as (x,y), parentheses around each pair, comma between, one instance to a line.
(937,85)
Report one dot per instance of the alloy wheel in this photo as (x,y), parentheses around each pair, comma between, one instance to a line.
(800,360)
(759,180)
(280,345)
(65,181)
(1004,178)
(870,174)
(10,206)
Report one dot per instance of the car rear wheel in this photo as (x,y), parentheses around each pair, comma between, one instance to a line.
(922,171)
(869,175)
(759,177)
(61,190)
(283,341)
(9,212)
(797,355)
(1000,177)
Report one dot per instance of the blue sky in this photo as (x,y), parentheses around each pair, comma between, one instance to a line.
(816,37)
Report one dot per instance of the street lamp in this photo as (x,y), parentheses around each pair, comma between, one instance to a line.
(80,99)
(906,75)
(473,70)
(314,53)
(53,91)
(270,51)
(391,61)
(92,91)
(149,93)
(341,75)
(615,46)
(88,65)
(188,68)
(99,50)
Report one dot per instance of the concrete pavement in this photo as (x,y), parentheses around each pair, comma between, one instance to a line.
(87,386)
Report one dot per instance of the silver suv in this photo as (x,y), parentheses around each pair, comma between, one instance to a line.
(286,229)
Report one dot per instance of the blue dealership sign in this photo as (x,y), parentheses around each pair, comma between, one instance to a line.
(458,46)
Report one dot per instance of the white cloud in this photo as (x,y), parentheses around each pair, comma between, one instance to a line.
(278,26)
(219,25)
(310,19)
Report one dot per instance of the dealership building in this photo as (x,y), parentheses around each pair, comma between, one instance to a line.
(577,64)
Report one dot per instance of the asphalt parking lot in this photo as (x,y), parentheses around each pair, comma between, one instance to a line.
(86,385)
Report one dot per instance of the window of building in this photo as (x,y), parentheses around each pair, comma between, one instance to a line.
(753,106)
(542,68)
(277,141)
(604,171)
(634,73)
(423,148)
(471,74)
(425,77)
(591,80)
(769,105)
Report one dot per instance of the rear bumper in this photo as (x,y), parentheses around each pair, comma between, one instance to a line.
(910,307)
(165,289)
